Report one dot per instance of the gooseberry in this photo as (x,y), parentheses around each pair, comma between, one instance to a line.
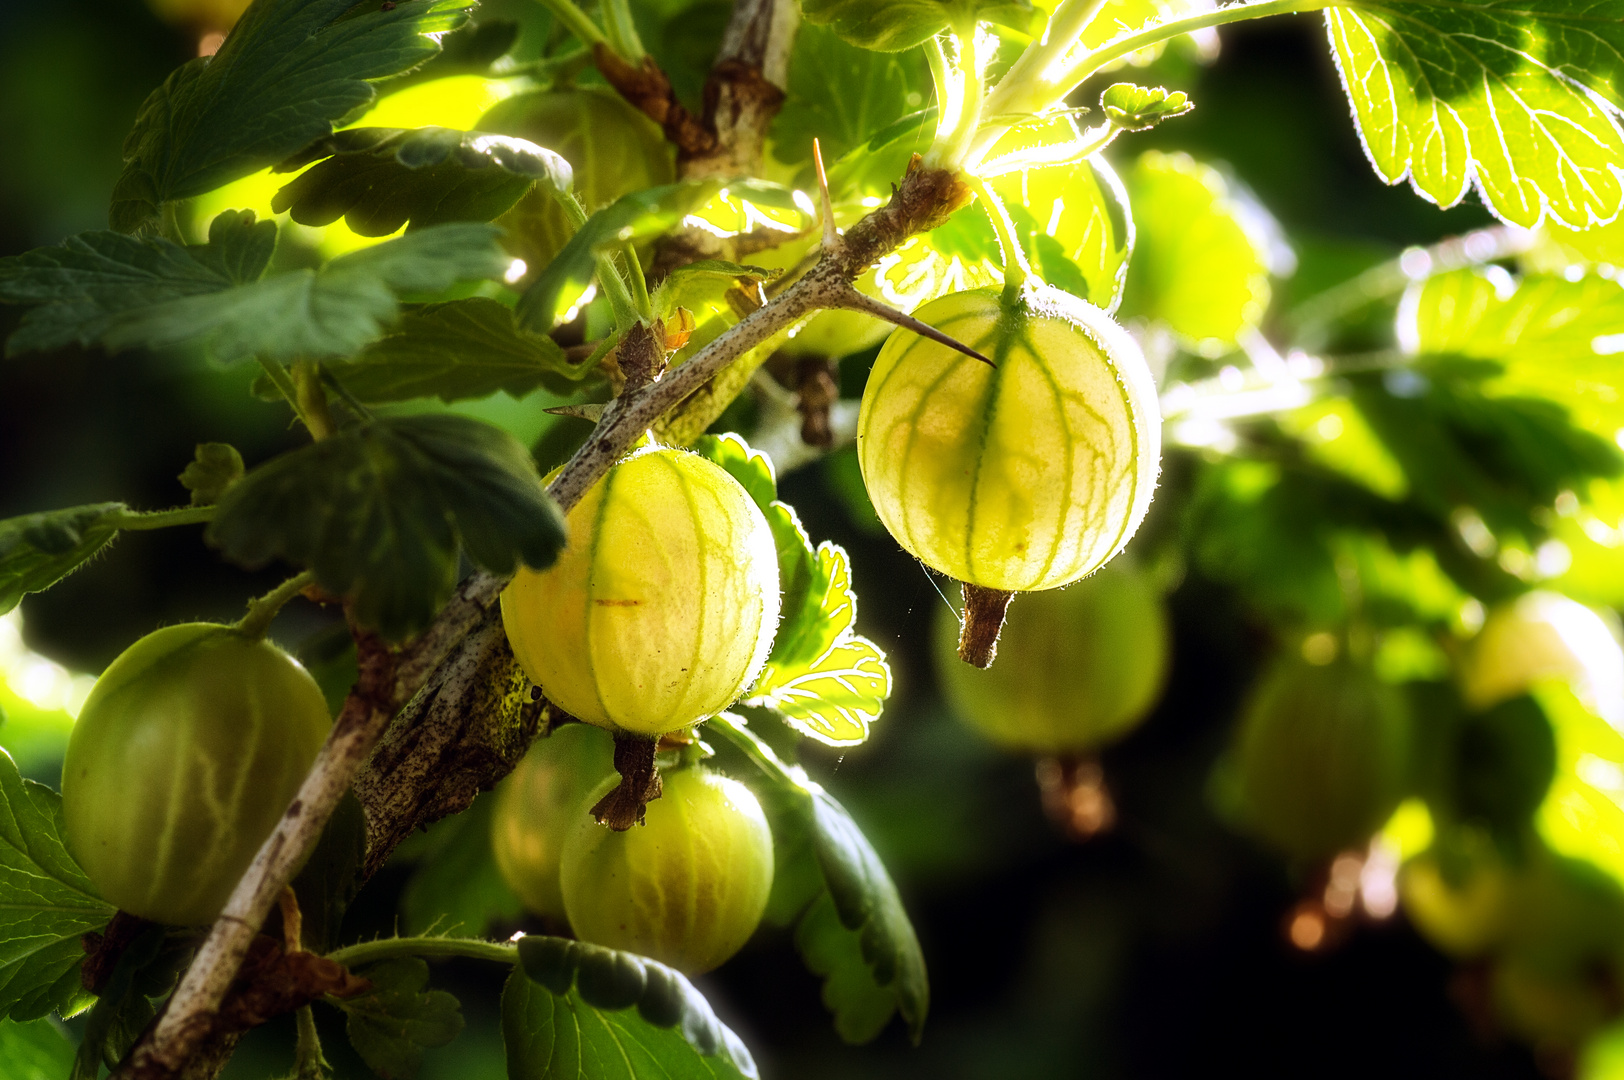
(661,610)
(1085,664)
(540,804)
(1025,476)
(1545,635)
(613,148)
(1322,756)
(187,752)
(688,888)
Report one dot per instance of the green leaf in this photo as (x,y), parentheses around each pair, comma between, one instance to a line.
(289,72)
(894,25)
(1517,97)
(332,311)
(703,286)
(392,1024)
(83,285)
(380,512)
(632,217)
(38,550)
(216,467)
(827,682)
(1140,108)
(842,95)
(471,49)
(46,903)
(574,1011)
(36,1050)
(127,292)
(833,699)
(1202,254)
(459,351)
(148,968)
(1554,338)
(865,901)
(456,888)
(378,179)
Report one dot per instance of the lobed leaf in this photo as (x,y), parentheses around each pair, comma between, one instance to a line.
(459,351)
(38,550)
(574,1011)
(1519,98)
(83,286)
(46,903)
(379,179)
(1553,338)
(381,511)
(858,888)
(894,25)
(215,468)
(1140,108)
(843,95)
(392,1024)
(289,72)
(827,682)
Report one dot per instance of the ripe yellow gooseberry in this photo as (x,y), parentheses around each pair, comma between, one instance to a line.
(1545,635)
(1025,476)
(687,888)
(661,610)
(1084,665)
(187,751)
(539,806)
(1322,756)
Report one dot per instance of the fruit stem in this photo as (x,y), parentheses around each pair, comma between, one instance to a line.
(983,619)
(639,783)
(311,399)
(309,1063)
(262,611)
(576,21)
(1016,267)
(292,921)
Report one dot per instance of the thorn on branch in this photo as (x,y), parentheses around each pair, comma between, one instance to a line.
(849,297)
(639,783)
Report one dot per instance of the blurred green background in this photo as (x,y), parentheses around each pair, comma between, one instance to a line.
(1154,950)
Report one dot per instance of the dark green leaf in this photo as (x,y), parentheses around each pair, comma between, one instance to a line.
(36,1050)
(1503,763)
(84,284)
(290,71)
(574,1011)
(640,214)
(46,903)
(378,179)
(38,550)
(874,166)
(894,25)
(1554,338)
(148,968)
(458,351)
(216,467)
(861,893)
(1516,97)
(1140,108)
(392,1024)
(456,888)
(380,511)
(842,95)
(128,292)
(471,49)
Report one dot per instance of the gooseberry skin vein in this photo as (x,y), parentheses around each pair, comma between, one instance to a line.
(951,453)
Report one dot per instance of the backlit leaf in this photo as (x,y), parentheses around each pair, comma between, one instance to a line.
(894,25)
(1517,97)
(836,697)
(842,95)
(289,72)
